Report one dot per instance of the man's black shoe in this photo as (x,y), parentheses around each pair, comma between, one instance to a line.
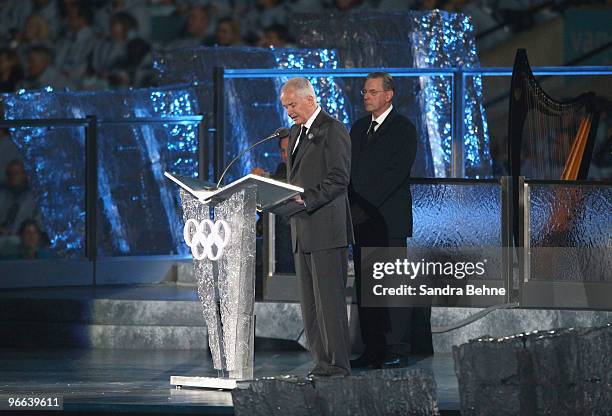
(395,361)
(366,361)
(426,352)
(329,371)
(317,369)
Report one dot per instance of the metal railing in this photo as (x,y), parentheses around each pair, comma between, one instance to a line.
(458,92)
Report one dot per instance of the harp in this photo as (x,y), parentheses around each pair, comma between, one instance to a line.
(547,139)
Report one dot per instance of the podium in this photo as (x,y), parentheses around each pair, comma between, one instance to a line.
(220,231)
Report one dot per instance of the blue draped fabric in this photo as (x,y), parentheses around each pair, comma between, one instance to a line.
(433,39)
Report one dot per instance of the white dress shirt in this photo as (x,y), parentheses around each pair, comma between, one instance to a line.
(307,125)
(381,118)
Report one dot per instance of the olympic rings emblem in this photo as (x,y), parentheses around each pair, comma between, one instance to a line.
(202,236)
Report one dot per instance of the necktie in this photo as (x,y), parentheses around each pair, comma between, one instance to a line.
(370,134)
(300,140)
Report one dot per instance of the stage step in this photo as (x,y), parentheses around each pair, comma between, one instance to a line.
(169,317)
(165,317)
(75,335)
(102,311)
(155,317)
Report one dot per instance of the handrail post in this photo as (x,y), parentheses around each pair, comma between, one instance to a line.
(458,113)
(523,244)
(506,238)
(219,114)
(203,150)
(91,190)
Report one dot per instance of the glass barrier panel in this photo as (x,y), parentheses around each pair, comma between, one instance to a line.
(139,208)
(42,199)
(456,214)
(458,228)
(569,231)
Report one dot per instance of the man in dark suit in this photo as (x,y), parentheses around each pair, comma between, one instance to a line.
(383,150)
(320,162)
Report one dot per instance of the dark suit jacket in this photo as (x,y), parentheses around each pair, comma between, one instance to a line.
(322,167)
(380,171)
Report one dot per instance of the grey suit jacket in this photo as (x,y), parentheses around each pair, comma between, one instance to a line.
(322,167)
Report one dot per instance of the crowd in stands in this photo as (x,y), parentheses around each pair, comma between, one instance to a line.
(21,232)
(99,44)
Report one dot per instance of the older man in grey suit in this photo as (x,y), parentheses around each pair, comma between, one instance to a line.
(320,162)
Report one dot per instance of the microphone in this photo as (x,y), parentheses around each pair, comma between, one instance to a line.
(280,132)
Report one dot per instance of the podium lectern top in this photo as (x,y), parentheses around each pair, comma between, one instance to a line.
(270,193)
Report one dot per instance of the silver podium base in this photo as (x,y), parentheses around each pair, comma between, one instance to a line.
(204,382)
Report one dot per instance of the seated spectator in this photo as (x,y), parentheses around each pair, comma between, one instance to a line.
(198,30)
(33,243)
(16,199)
(13,15)
(136,8)
(92,81)
(37,32)
(114,47)
(8,153)
(41,72)
(135,68)
(10,70)
(265,14)
(228,32)
(165,8)
(219,7)
(74,50)
(50,12)
(275,36)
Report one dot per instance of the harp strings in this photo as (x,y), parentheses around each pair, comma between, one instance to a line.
(549,132)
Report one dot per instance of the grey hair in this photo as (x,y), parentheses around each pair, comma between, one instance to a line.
(388,83)
(301,86)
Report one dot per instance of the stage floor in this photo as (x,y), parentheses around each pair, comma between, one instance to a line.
(138,381)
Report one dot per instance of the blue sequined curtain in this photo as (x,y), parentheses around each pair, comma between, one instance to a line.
(137,206)
(253,108)
(420,40)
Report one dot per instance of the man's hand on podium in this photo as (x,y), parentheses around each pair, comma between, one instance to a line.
(299,200)
(260,172)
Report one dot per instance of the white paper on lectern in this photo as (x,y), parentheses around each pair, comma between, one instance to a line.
(195,187)
(270,193)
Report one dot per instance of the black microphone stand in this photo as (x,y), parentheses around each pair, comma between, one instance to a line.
(281,132)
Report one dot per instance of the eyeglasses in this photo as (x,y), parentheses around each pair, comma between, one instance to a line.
(373,93)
